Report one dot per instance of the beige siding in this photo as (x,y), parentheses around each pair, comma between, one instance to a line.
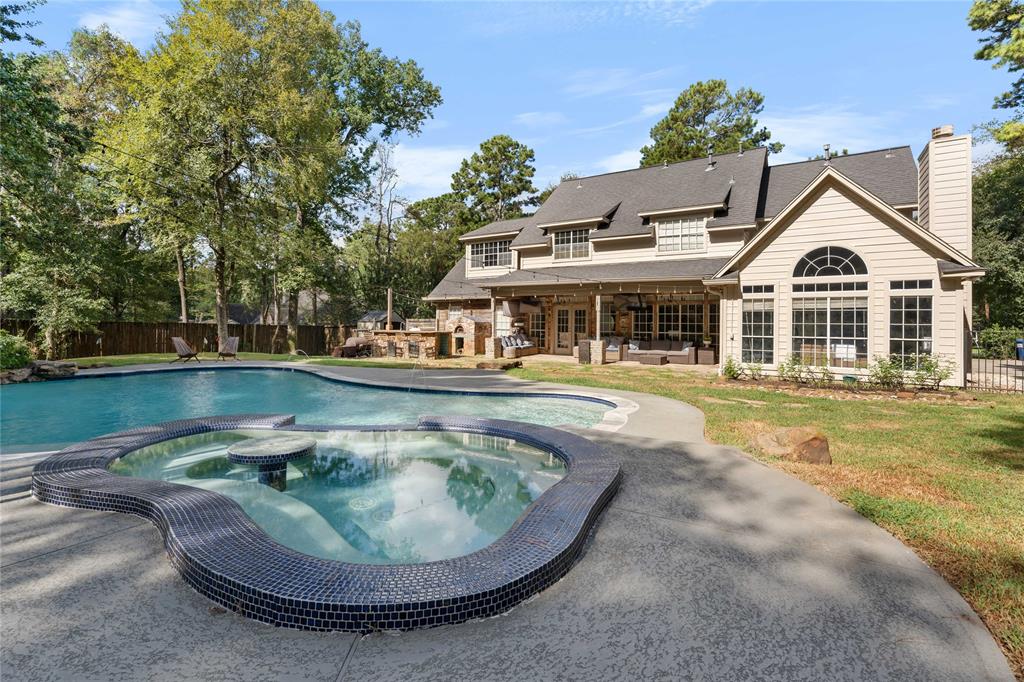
(833,218)
(945,188)
(718,245)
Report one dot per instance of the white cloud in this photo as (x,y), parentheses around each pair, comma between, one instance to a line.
(134,20)
(645,113)
(806,129)
(426,171)
(624,160)
(657,109)
(594,82)
(494,18)
(540,119)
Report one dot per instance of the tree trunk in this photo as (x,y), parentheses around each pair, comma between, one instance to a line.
(315,317)
(293,321)
(220,273)
(182,293)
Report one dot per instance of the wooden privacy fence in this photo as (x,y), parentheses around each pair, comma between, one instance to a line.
(123,338)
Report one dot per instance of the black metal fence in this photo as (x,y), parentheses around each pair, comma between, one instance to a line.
(1005,375)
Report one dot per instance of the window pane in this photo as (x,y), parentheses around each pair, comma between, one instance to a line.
(758,326)
(910,329)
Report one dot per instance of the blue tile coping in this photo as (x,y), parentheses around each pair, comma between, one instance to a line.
(222,554)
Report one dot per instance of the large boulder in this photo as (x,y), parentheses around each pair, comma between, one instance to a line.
(16,376)
(53,369)
(799,443)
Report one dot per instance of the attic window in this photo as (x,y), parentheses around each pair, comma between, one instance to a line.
(490,254)
(684,234)
(571,244)
(830,261)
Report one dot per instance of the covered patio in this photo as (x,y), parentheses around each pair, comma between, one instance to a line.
(560,318)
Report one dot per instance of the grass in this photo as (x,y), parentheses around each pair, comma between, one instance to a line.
(945,477)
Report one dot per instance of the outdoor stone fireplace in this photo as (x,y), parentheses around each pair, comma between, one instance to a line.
(468,334)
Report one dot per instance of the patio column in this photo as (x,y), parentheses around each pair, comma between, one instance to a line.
(597,319)
(707,314)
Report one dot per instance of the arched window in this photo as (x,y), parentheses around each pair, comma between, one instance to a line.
(830,261)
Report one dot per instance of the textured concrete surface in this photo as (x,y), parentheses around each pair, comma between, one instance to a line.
(707,565)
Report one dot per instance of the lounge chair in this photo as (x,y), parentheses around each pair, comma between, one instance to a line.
(229,349)
(185,352)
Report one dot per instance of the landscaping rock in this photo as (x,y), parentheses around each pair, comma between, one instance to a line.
(497,364)
(798,443)
(16,376)
(53,369)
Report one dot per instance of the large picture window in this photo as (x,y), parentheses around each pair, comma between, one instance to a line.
(572,244)
(831,331)
(686,234)
(490,254)
(758,331)
(643,323)
(685,322)
(910,328)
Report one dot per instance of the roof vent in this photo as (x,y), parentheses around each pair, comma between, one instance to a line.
(664,164)
(579,183)
(732,179)
(888,153)
(942,131)
(711,163)
(828,154)
(741,148)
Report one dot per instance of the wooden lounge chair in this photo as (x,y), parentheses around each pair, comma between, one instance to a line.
(229,349)
(185,352)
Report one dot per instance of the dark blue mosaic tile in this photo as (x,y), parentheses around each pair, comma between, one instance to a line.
(222,554)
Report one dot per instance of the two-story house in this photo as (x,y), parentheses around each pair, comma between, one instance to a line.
(835,261)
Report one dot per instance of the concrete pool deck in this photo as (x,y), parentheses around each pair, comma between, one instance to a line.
(706,565)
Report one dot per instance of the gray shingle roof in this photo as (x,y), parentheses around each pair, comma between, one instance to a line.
(654,188)
(889,174)
(661,270)
(455,286)
(499,227)
(948,268)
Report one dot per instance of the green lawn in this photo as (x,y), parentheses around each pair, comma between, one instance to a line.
(947,478)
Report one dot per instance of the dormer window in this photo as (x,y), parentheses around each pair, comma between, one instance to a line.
(681,235)
(570,244)
(490,254)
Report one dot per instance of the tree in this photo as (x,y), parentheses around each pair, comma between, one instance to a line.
(1003,20)
(546,192)
(707,118)
(497,181)
(999,240)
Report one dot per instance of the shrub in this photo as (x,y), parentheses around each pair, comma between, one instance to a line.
(822,377)
(931,370)
(887,372)
(755,370)
(998,341)
(792,369)
(732,369)
(14,351)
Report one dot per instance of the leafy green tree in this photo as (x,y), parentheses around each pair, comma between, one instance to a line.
(1003,21)
(497,181)
(999,241)
(707,118)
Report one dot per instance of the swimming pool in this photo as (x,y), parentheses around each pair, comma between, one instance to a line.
(386,497)
(51,415)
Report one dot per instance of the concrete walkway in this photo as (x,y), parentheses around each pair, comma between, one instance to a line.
(706,565)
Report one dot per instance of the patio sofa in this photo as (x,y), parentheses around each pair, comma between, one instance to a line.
(662,351)
(517,346)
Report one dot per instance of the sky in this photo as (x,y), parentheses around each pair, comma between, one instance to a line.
(582,83)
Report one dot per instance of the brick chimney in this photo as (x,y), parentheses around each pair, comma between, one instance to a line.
(944,187)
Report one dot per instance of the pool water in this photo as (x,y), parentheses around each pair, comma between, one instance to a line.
(369,497)
(51,415)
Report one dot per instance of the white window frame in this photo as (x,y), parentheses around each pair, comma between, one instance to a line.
(755,299)
(828,299)
(681,241)
(917,291)
(501,252)
(575,244)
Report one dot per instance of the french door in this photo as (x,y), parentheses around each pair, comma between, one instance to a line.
(570,327)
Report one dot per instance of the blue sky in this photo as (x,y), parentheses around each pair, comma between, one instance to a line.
(582,83)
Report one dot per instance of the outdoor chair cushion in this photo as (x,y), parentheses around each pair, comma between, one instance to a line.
(505,343)
(661,344)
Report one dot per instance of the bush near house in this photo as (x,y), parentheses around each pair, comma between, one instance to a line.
(998,341)
(14,351)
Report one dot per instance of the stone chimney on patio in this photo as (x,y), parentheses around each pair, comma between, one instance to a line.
(944,188)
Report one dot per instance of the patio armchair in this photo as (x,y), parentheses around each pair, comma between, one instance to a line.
(517,345)
(184,351)
(229,349)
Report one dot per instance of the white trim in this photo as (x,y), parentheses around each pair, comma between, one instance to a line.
(723,228)
(471,237)
(681,209)
(830,173)
(622,237)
